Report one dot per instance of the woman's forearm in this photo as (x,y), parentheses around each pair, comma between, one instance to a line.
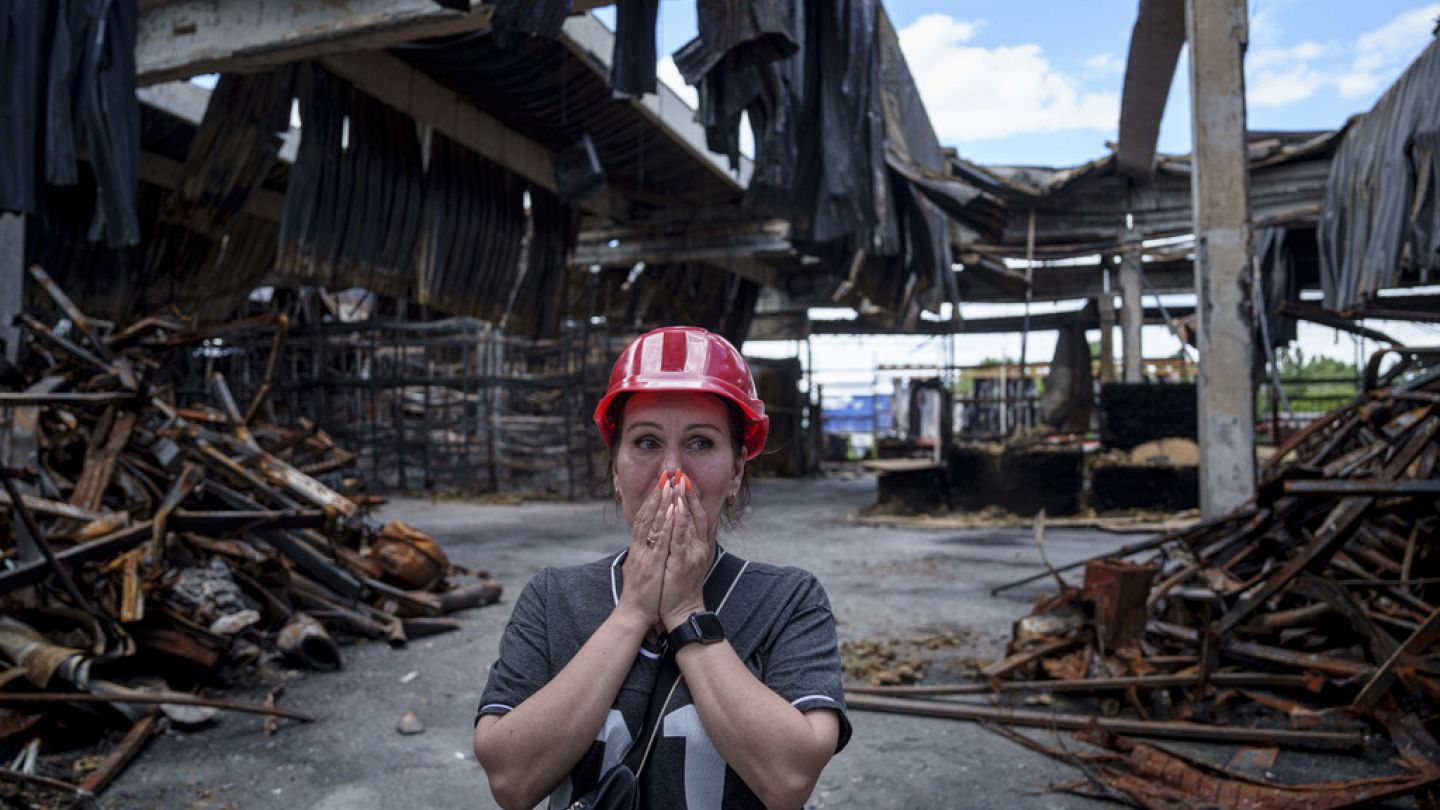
(528,751)
(775,748)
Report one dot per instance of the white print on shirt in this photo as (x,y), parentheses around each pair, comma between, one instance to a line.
(614,737)
(704,768)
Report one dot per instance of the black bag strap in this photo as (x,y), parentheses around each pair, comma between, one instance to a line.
(717,589)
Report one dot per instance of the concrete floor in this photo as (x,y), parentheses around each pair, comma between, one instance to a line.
(882,583)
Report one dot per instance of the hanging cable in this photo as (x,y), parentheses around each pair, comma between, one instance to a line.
(1165,313)
(1259,296)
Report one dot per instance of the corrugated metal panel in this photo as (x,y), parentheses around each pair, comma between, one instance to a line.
(474,222)
(1381,220)
(362,210)
(538,297)
(672,294)
(827,89)
(198,251)
(231,153)
(1079,210)
(538,87)
(355,195)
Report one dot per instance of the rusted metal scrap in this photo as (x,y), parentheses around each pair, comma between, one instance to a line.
(1327,582)
(176,536)
(1153,777)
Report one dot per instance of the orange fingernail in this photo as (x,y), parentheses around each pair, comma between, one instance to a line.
(686,479)
(663,476)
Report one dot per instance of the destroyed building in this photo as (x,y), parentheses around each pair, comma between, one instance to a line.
(392,247)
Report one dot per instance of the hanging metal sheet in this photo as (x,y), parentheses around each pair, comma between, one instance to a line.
(67,75)
(540,88)
(355,194)
(1381,220)
(833,107)
(474,223)
(537,298)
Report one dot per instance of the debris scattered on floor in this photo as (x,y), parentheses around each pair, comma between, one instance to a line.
(935,641)
(875,662)
(1304,620)
(410,723)
(994,517)
(161,540)
(906,660)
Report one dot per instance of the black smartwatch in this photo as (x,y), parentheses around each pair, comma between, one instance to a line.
(704,627)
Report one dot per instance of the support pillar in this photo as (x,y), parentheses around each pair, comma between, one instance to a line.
(1132,314)
(12,279)
(1105,308)
(19,448)
(1217,32)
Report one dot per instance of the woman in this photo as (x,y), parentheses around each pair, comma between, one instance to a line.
(759,709)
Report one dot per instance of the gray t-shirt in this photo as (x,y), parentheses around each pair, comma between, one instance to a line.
(777,619)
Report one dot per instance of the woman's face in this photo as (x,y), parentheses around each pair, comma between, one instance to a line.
(676,430)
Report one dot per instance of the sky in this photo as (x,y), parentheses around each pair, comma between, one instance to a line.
(1037,82)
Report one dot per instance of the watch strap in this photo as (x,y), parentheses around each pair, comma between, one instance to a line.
(687,632)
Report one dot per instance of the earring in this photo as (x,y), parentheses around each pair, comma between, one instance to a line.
(729,501)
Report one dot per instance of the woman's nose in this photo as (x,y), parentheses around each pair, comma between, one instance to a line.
(672,460)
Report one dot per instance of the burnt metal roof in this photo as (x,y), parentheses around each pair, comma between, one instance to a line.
(1380,221)
(549,92)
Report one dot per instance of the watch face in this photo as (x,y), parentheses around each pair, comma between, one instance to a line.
(709,626)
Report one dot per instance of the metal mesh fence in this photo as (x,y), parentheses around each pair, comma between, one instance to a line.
(434,406)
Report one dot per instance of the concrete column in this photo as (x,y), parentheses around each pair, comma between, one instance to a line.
(12,278)
(1217,32)
(1132,314)
(1105,306)
(20,449)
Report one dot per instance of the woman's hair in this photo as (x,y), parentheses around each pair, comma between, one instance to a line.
(731,511)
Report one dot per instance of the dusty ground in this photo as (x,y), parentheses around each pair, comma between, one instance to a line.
(886,585)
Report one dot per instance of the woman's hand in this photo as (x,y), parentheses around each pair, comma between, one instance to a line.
(644,566)
(692,550)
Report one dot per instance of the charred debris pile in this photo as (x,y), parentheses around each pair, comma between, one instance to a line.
(159,542)
(1305,620)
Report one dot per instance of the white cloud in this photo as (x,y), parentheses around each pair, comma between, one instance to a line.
(935,32)
(1276,88)
(1263,29)
(670,75)
(975,93)
(1276,76)
(1355,84)
(1398,40)
(1105,63)
(1381,54)
(1280,57)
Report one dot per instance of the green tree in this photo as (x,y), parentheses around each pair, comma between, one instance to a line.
(990,362)
(1316,383)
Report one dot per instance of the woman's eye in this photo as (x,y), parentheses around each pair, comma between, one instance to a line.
(699,443)
(647,443)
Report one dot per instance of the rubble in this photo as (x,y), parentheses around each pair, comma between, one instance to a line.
(410,723)
(1303,620)
(160,540)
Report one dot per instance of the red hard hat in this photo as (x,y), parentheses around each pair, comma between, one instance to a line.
(685,358)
